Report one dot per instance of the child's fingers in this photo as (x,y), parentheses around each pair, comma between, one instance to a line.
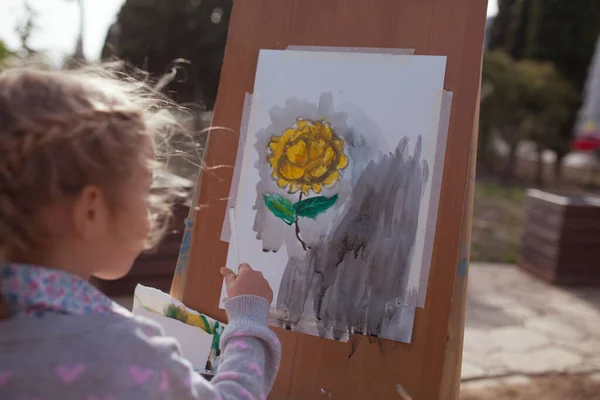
(244,268)
(229,276)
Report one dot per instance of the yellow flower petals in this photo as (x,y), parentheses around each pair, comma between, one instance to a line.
(317,148)
(343,163)
(322,130)
(287,135)
(297,153)
(301,123)
(306,189)
(331,179)
(317,187)
(295,186)
(318,171)
(290,172)
(307,157)
(273,161)
(338,144)
(329,156)
(282,183)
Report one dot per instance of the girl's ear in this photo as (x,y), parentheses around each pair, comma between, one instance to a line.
(90,213)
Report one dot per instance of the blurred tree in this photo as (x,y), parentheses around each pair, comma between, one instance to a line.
(566,34)
(4,52)
(548,99)
(78,55)
(518,33)
(508,34)
(25,29)
(523,100)
(151,34)
(499,31)
(5,56)
(563,32)
(502,110)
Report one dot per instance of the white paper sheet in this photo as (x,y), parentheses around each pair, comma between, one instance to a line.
(376,100)
(195,343)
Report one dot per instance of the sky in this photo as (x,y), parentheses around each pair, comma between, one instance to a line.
(58,21)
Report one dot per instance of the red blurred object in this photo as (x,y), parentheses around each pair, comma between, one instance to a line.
(587,143)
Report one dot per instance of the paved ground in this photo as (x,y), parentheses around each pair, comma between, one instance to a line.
(518,326)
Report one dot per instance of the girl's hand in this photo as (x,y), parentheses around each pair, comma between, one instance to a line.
(247,282)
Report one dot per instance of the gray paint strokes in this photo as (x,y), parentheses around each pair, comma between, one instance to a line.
(354,278)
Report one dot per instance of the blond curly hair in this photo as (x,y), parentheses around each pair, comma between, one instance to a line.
(63,130)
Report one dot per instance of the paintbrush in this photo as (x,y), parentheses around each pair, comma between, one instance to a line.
(233,244)
(402,392)
(233,241)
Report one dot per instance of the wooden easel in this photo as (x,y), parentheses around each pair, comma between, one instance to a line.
(314,368)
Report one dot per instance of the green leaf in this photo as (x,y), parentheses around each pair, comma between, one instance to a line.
(314,206)
(280,207)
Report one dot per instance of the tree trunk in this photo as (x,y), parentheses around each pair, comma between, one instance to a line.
(79,55)
(558,169)
(501,26)
(511,161)
(539,178)
(483,148)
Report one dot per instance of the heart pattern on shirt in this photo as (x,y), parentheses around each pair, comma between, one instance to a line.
(254,367)
(245,394)
(5,377)
(69,373)
(238,344)
(139,375)
(164,382)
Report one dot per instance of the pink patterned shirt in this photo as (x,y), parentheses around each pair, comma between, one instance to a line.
(34,291)
(66,340)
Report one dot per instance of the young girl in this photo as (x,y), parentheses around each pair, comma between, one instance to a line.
(77,151)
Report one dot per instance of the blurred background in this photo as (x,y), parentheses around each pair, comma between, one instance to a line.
(533,313)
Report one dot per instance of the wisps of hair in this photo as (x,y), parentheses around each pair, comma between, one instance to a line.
(63,130)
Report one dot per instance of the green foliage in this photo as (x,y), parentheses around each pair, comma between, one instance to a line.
(498,215)
(502,108)
(566,35)
(563,32)
(493,190)
(281,207)
(524,100)
(312,207)
(502,24)
(548,99)
(4,52)
(517,37)
(151,34)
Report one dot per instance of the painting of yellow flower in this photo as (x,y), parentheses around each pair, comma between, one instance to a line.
(307,157)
